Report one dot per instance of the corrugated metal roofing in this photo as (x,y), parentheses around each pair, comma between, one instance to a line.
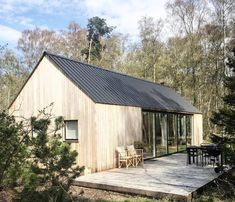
(108,87)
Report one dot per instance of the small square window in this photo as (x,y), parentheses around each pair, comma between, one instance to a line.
(71,130)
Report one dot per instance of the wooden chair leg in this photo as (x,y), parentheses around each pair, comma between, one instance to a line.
(128,162)
(132,161)
(136,161)
(120,164)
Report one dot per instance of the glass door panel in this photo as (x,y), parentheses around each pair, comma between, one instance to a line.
(161,134)
(172,133)
(189,130)
(148,137)
(182,132)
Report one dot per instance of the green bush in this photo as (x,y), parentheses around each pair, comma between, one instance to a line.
(37,168)
(52,167)
(14,151)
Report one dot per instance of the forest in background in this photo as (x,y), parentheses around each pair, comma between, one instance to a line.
(186,51)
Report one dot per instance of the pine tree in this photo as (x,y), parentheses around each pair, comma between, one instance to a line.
(52,165)
(13,150)
(225,117)
(34,157)
(97,28)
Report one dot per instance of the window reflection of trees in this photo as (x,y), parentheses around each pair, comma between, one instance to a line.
(165,133)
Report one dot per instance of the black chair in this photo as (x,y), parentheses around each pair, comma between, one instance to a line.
(192,155)
(214,153)
(210,154)
(204,155)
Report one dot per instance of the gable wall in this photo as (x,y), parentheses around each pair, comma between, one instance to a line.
(46,85)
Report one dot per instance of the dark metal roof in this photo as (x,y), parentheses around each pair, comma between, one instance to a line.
(108,87)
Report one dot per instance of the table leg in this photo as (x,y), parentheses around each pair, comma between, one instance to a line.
(189,157)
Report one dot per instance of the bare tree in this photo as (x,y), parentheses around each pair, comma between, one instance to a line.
(150,31)
(191,15)
(224,13)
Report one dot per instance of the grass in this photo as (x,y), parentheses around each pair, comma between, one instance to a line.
(96,195)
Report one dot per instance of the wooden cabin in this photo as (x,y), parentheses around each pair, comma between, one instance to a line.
(104,109)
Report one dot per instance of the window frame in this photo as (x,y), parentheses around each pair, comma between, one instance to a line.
(65,130)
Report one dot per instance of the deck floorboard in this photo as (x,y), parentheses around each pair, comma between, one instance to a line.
(160,177)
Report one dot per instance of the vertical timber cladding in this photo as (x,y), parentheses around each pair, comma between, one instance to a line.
(46,85)
(197,126)
(116,126)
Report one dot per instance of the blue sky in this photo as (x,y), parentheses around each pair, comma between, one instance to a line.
(18,15)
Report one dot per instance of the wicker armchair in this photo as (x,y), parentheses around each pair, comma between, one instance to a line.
(123,158)
(137,155)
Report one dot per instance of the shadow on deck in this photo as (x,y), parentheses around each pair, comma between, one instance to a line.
(161,177)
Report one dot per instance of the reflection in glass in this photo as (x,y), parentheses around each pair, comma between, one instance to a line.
(172,133)
(165,133)
(189,129)
(148,134)
(161,134)
(182,132)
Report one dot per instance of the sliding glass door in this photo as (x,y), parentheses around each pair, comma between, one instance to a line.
(165,133)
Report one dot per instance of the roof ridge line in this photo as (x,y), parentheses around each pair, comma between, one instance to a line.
(97,67)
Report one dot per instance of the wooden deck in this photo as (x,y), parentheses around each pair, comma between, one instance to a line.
(161,177)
